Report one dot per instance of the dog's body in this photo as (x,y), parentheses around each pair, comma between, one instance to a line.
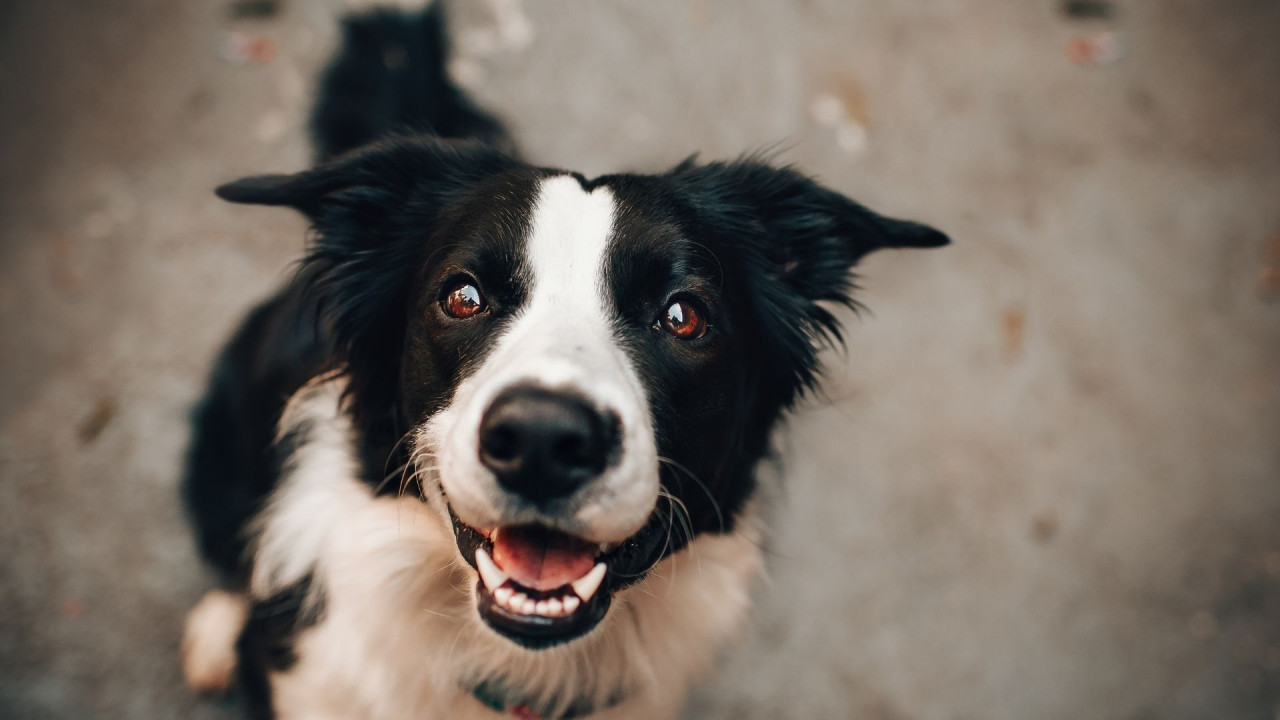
(497,450)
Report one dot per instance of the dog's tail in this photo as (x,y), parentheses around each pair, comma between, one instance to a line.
(391,77)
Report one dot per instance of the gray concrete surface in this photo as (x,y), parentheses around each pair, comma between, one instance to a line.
(1044,481)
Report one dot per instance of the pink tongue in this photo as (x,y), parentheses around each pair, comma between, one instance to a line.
(542,559)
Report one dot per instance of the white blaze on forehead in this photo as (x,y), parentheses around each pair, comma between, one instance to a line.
(563,339)
(570,230)
(563,336)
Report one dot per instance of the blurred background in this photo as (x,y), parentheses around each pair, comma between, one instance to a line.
(1044,479)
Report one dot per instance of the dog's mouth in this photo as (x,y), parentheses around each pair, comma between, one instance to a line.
(540,587)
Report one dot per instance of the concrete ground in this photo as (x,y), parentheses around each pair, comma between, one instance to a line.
(1044,481)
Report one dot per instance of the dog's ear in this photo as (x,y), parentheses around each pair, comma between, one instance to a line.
(384,171)
(372,213)
(813,235)
(800,242)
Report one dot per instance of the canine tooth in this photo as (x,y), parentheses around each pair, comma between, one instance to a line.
(493,536)
(529,607)
(489,572)
(587,585)
(571,603)
(542,608)
(503,594)
(555,608)
(516,601)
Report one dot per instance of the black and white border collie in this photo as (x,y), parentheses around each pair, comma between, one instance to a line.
(495,451)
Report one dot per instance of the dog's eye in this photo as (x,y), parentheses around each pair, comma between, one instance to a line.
(463,300)
(685,319)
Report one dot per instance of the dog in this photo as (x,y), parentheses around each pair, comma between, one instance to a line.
(498,449)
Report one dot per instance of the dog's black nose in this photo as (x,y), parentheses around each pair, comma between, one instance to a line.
(543,445)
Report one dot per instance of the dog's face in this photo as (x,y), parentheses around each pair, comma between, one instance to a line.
(585,372)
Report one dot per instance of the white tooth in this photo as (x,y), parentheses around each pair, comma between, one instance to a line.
(516,601)
(604,548)
(489,572)
(529,607)
(503,594)
(587,585)
(542,608)
(493,536)
(571,603)
(555,608)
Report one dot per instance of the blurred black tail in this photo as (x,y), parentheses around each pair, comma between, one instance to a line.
(391,76)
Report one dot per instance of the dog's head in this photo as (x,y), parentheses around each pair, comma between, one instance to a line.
(585,371)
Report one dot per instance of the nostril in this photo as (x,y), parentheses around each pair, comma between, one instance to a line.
(501,443)
(578,453)
(569,448)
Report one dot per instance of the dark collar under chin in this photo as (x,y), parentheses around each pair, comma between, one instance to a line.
(494,695)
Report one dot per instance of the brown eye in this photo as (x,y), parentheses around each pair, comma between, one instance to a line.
(463,301)
(685,320)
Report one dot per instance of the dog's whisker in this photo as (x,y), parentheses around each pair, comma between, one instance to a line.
(392,453)
(666,544)
(418,469)
(714,504)
(672,501)
(453,645)
(681,512)
(387,479)
(447,616)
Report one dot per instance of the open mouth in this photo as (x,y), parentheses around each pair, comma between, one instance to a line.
(540,587)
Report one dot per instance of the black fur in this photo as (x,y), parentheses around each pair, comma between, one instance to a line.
(267,642)
(232,464)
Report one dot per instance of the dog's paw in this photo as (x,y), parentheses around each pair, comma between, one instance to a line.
(209,642)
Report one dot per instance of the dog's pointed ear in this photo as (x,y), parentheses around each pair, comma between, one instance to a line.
(801,242)
(378,173)
(808,228)
(301,190)
(306,191)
